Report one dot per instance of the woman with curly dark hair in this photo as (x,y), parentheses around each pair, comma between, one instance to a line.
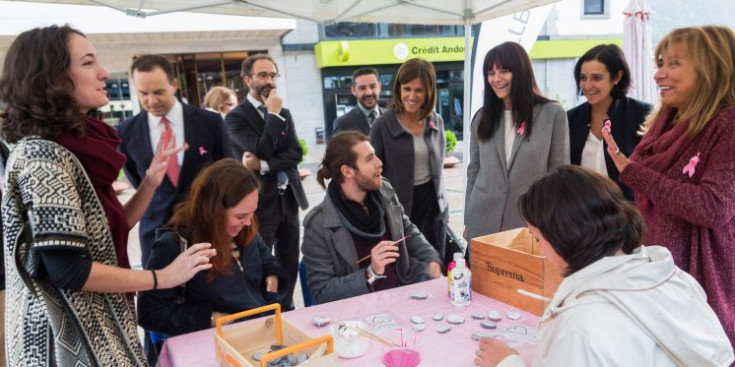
(65,231)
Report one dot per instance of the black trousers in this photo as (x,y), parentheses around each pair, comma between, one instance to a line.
(280,231)
(426,216)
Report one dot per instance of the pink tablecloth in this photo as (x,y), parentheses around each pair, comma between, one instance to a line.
(455,348)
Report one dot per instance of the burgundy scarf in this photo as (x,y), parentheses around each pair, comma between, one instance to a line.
(662,146)
(101,160)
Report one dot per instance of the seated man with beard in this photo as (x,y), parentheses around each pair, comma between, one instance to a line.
(359,240)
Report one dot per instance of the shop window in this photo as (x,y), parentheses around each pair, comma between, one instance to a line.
(592,9)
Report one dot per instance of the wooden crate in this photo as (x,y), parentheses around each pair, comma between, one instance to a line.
(505,262)
(236,345)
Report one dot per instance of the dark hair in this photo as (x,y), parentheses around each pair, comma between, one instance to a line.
(247,64)
(339,153)
(217,188)
(364,71)
(583,215)
(524,92)
(613,58)
(37,86)
(147,63)
(410,70)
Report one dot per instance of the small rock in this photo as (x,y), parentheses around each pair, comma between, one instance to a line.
(302,357)
(276,347)
(438,317)
(292,358)
(494,316)
(419,327)
(417,320)
(517,329)
(455,319)
(257,356)
(478,316)
(419,295)
(477,335)
(443,329)
(320,321)
(488,325)
(513,315)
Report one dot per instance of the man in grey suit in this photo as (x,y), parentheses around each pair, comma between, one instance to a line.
(366,88)
(359,240)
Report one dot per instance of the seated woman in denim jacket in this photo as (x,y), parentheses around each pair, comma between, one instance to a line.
(244,275)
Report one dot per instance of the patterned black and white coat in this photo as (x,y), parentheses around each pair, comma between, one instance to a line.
(49,203)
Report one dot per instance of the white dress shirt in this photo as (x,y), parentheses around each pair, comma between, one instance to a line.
(510,134)
(593,155)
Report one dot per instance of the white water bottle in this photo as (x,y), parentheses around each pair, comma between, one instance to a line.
(460,284)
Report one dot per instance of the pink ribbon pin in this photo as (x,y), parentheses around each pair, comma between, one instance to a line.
(690,167)
(608,125)
(202,151)
(431,124)
(521,129)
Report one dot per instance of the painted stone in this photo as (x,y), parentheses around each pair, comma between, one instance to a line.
(438,317)
(455,319)
(477,335)
(320,321)
(513,315)
(443,329)
(494,316)
(421,295)
(517,329)
(419,327)
(417,320)
(478,316)
(488,325)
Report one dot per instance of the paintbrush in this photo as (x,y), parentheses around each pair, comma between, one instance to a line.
(394,242)
(367,334)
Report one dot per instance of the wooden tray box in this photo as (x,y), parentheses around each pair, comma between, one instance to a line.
(504,262)
(236,345)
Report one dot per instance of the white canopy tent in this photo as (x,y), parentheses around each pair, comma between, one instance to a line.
(328,12)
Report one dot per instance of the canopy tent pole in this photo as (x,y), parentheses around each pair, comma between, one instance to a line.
(467,92)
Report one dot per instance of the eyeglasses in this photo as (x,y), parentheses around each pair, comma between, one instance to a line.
(264,75)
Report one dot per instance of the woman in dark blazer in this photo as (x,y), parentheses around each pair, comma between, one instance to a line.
(516,138)
(603,77)
(245,274)
(409,139)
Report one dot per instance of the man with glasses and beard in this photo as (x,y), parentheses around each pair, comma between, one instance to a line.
(359,240)
(264,135)
(366,88)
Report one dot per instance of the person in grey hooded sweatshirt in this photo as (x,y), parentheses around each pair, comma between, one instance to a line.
(620,303)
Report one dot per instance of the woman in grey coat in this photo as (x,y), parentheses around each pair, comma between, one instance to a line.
(409,139)
(516,138)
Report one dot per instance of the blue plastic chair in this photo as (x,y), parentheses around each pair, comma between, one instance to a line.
(305,291)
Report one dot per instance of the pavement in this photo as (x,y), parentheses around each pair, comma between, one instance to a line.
(454,182)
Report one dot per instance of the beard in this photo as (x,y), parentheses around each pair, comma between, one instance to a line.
(367,183)
(374,101)
(264,90)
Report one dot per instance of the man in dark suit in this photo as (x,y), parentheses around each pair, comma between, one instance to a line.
(366,88)
(164,117)
(264,135)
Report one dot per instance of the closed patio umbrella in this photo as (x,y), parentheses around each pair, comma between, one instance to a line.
(639,51)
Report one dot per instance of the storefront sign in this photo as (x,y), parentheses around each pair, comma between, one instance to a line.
(388,51)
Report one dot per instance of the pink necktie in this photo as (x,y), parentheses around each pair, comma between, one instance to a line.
(173,169)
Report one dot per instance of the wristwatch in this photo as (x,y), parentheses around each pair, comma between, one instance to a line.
(371,276)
